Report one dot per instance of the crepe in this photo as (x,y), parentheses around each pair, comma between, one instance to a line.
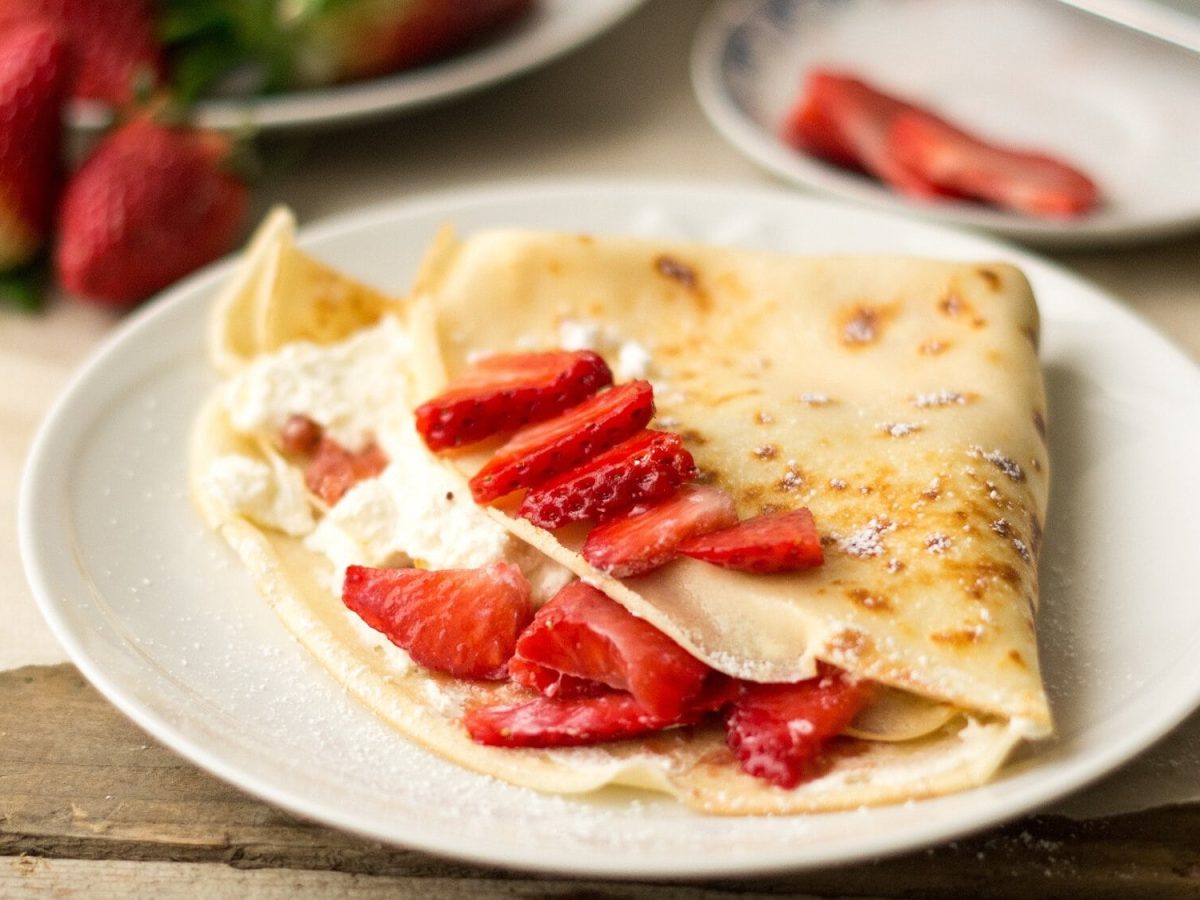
(899,399)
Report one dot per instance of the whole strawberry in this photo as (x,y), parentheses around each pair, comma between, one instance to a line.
(151,204)
(31,94)
(113,43)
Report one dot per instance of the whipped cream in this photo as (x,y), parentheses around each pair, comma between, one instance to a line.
(354,388)
(271,496)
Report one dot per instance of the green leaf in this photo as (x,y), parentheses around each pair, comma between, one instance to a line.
(25,288)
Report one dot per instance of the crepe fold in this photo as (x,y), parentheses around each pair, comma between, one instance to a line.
(897,398)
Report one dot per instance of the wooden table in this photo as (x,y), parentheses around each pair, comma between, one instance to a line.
(92,807)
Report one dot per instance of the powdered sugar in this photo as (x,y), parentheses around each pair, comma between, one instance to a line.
(868,540)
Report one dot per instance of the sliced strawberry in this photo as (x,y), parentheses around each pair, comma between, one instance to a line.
(509,391)
(1027,182)
(810,128)
(647,467)
(841,118)
(333,469)
(584,634)
(544,722)
(778,731)
(542,451)
(771,542)
(463,622)
(550,682)
(647,537)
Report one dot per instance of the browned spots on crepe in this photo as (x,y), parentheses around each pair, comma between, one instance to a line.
(1039,423)
(683,275)
(990,278)
(934,347)
(792,480)
(861,324)
(958,637)
(954,306)
(676,270)
(849,644)
(869,600)
(766,451)
(1016,657)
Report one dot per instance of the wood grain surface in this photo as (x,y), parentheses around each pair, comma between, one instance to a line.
(90,806)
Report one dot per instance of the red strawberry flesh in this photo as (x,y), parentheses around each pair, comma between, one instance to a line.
(32,80)
(1027,182)
(842,118)
(463,622)
(584,634)
(647,537)
(543,722)
(113,43)
(509,391)
(540,452)
(779,731)
(546,722)
(333,469)
(771,542)
(647,467)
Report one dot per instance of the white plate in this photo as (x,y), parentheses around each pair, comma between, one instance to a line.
(156,612)
(554,28)
(1122,106)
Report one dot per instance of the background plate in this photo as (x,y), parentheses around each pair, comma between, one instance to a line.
(160,616)
(555,27)
(1122,106)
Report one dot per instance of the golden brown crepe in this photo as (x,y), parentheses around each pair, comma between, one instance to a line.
(899,399)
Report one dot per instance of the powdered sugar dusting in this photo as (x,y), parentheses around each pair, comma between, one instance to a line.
(939,398)
(868,540)
(899,429)
(1008,466)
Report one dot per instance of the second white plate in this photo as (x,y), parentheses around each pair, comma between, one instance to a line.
(157,613)
(1124,107)
(555,27)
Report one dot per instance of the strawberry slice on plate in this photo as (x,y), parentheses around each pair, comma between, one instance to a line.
(545,722)
(463,622)
(1026,182)
(508,391)
(540,452)
(647,467)
(333,469)
(771,542)
(584,634)
(778,731)
(647,537)
(844,119)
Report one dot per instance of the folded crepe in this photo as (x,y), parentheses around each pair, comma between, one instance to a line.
(899,399)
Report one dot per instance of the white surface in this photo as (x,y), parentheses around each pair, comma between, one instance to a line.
(1122,106)
(555,27)
(156,612)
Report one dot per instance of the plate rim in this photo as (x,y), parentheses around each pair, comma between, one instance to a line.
(395,93)
(198,289)
(726,17)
